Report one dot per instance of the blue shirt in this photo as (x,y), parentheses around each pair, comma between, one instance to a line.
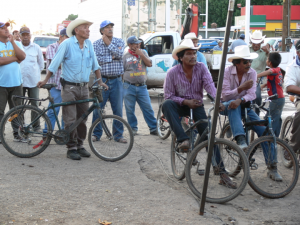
(110,57)
(10,74)
(218,48)
(200,58)
(236,43)
(76,63)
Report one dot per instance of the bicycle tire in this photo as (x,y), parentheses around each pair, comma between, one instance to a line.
(195,169)
(19,143)
(160,121)
(258,180)
(108,148)
(285,135)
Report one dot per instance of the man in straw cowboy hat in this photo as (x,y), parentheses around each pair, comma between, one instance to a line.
(183,90)
(259,64)
(74,79)
(238,89)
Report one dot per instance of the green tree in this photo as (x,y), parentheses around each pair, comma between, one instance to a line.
(71,17)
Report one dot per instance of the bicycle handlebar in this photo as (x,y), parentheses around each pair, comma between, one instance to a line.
(211,97)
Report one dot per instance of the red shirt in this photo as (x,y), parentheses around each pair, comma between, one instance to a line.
(275,82)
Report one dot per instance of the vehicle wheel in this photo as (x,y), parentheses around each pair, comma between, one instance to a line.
(108,148)
(259,177)
(19,136)
(232,157)
(162,125)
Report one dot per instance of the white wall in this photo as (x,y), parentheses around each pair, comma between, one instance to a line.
(97,11)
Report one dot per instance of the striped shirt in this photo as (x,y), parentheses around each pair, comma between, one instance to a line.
(50,53)
(110,57)
(177,87)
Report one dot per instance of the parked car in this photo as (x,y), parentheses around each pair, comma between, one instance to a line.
(43,42)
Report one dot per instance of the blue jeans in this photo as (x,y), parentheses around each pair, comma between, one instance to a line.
(258,99)
(56,94)
(133,94)
(276,107)
(115,96)
(236,124)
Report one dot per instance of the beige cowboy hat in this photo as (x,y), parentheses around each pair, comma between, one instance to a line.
(257,37)
(185,44)
(190,36)
(242,52)
(76,23)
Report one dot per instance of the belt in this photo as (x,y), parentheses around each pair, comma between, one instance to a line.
(76,84)
(138,84)
(111,77)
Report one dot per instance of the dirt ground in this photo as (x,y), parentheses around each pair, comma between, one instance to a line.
(140,189)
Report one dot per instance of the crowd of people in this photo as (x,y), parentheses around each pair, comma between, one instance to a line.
(123,75)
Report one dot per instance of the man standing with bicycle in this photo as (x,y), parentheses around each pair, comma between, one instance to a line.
(183,89)
(78,58)
(292,84)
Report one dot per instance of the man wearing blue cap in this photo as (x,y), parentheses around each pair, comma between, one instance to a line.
(135,89)
(55,91)
(109,52)
(11,54)
(237,42)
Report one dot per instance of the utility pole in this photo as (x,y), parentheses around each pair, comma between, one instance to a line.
(286,19)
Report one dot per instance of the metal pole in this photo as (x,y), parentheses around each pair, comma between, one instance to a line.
(247,22)
(168,15)
(138,23)
(216,110)
(206,18)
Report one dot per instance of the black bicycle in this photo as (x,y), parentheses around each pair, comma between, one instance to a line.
(23,128)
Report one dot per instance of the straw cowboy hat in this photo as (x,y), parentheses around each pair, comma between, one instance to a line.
(257,37)
(185,44)
(190,36)
(76,23)
(242,52)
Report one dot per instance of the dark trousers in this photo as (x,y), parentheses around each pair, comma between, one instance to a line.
(295,137)
(33,93)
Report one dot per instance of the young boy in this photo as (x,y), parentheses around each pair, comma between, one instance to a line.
(274,83)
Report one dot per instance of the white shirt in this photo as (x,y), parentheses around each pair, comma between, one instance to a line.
(293,50)
(292,75)
(32,65)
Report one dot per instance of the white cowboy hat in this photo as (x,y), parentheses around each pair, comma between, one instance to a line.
(190,36)
(76,23)
(257,37)
(185,44)
(242,52)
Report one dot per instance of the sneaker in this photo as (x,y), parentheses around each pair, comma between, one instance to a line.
(134,132)
(184,146)
(73,154)
(241,142)
(95,138)
(154,132)
(20,139)
(83,153)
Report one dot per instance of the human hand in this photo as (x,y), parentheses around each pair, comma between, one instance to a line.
(104,85)
(221,107)
(234,104)
(138,51)
(262,86)
(192,103)
(247,85)
(10,38)
(265,49)
(41,83)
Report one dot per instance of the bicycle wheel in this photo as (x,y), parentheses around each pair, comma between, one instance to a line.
(162,125)
(285,135)
(178,159)
(231,158)
(108,148)
(19,137)
(259,179)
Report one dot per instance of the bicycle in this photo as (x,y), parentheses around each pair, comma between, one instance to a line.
(192,163)
(22,135)
(162,124)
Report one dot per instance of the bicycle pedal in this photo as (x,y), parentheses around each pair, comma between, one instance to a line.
(201,172)
(254,166)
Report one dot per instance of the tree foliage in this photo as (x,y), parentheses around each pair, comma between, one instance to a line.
(71,17)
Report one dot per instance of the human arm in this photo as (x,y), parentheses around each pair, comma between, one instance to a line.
(98,75)
(201,58)
(144,57)
(264,74)
(117,49)
(7,60)
(291,81)
(19,52)
(293,89)
(42,83)
(170,89)
(58,57)
(40,58)
(263,86)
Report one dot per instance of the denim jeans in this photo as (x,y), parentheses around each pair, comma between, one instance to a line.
(33,93)
(236,124)
(276,107)
(133,94)
(56,95)
(115,96)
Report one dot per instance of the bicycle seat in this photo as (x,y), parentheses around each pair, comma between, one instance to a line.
(49,86)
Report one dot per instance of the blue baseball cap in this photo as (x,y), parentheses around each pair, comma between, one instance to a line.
(133,40)
(242,36)
(63,32)
(105,23)
(4,24)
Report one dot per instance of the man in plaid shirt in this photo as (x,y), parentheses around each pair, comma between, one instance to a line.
(55,79)
(109,52)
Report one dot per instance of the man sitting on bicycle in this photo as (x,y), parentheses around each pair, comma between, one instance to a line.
(237,89)
(183,90)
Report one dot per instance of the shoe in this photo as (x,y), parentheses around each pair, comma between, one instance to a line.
(154,132)
(273,173)
(134,132)
(184,146)
(95,138)
(83,153)
(73,154)
(227,182)
(19,139)
(241,142)
(122,140)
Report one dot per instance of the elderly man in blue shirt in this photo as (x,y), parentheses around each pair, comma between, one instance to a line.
(237,42)
(109,52)
(75,78)
(219,46)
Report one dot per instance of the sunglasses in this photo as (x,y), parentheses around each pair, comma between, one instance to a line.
(247,61)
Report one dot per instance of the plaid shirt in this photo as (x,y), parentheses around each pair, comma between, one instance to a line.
(105,54)
(50,53)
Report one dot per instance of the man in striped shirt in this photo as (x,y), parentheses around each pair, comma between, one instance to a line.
(183,88)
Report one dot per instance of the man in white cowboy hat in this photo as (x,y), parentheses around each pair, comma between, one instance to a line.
(200,56)
(238,88)
(74,80)
(183,89)
(259,64)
